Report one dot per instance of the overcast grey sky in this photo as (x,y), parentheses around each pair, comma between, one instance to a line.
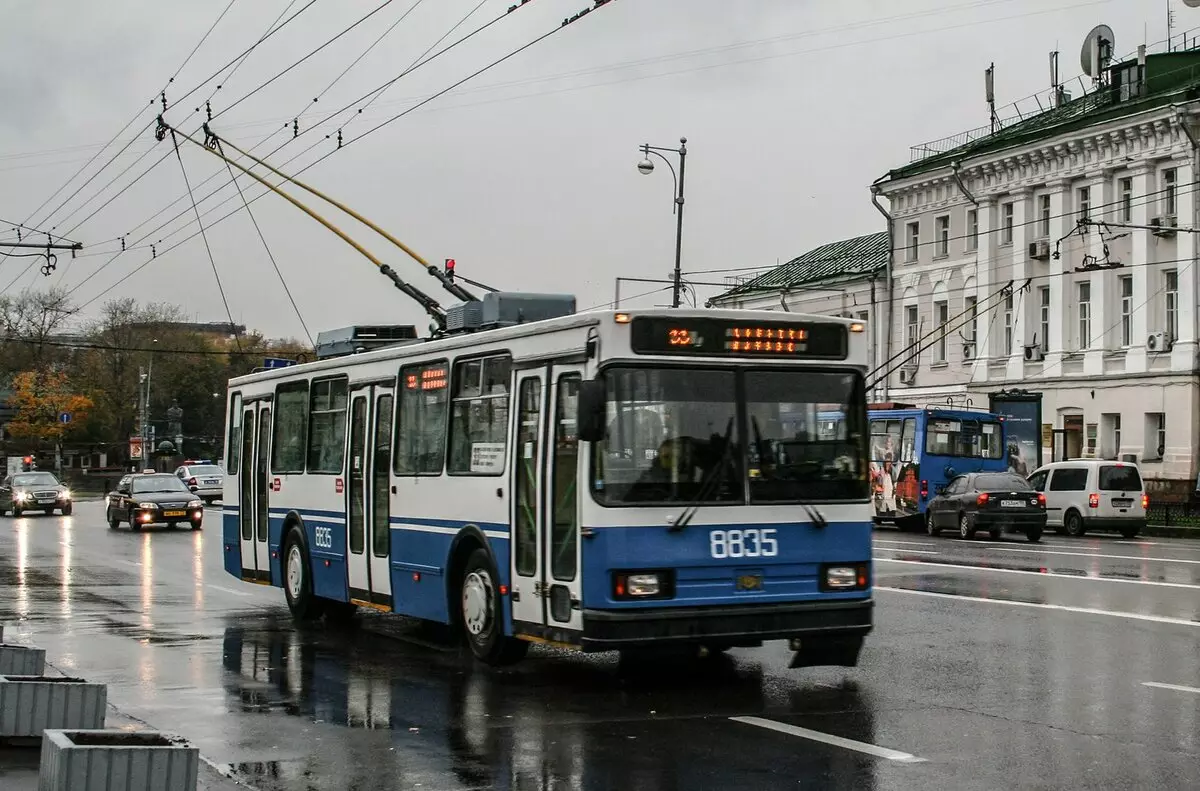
(526,175)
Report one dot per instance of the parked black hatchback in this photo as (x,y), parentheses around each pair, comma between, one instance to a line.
(992,501)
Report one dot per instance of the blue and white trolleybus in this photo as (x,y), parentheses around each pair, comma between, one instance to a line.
(600,480)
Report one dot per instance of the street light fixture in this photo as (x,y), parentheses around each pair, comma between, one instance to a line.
(646,167)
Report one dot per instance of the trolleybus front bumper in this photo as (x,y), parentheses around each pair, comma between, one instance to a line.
(813,624)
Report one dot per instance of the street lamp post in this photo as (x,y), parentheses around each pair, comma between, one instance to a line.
(646,167)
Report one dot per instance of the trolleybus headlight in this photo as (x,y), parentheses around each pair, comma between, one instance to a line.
(643,585)
(842,577)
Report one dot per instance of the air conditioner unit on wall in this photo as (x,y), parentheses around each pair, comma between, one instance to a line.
(908,375)
(1165,226)
(1039,250)
(968,351)
(1034,353)
(1158,342)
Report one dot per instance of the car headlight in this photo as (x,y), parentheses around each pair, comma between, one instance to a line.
(148,506)
(195,504)
(20,497)
(65,494)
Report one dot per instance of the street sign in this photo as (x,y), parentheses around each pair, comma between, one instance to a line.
(64,417)
(277,362)
(135,447)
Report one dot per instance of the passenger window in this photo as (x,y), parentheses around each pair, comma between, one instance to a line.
(290,429)
(564,530)
(479,416)
(327,426)
(1069,479)
(233,443)
(1038,480)
(421,427)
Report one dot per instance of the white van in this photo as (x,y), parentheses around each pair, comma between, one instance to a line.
(1091,494)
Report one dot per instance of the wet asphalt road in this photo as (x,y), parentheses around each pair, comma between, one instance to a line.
(993,665)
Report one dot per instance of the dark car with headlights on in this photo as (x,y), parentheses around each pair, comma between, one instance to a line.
(34,491)
(993,501)
(153,499)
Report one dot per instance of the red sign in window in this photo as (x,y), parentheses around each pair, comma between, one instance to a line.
(276,485)
(341,487)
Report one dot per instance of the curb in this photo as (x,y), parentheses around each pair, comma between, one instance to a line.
(1171,531)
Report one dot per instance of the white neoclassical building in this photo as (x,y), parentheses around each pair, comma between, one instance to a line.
(1099,319)
(990,283)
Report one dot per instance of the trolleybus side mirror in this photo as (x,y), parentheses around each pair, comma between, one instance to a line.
(591,410)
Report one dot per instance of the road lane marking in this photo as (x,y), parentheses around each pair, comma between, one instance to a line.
(1080,577)
(1133,616)
(1094,555)
(1175,687)
(228,590)
(825,738)
(910,551)
(878,541)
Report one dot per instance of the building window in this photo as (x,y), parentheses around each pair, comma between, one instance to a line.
(1044,301)
(1008,324)
(1085,314)
(1110,435)
(1045,212)
(479,416)
(941,314)
(1126,311)
(943,235)
(1126,200)
(327,426)
(972,229)
(910,328)
(1006,235)
(1156,435)
(914,241)
(1169,192)
(1171,287)
(1085,203)
(1091,440)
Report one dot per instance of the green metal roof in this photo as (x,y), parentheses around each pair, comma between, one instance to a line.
(1170,77)
(849,259)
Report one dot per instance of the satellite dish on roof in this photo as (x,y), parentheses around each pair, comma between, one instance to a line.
(1097,50)
(1192,3)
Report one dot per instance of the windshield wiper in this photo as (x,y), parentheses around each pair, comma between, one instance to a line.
(708,485)
(816,517)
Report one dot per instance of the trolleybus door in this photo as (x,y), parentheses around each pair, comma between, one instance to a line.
(253,489)
(545,519)
(368,501)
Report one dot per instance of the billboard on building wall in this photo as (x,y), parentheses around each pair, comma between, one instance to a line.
(1022,412)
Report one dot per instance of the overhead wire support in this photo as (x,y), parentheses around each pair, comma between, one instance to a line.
(213,146)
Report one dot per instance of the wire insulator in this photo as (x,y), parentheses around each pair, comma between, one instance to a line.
(122,244)
(164,101)
(208,109)
(295,127)
(339,138)
(153,251)
(18,233)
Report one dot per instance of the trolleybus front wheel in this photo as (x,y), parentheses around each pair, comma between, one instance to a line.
(480,616)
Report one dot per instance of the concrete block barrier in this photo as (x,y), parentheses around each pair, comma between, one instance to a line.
(31,704)
(105,760)
(21,660)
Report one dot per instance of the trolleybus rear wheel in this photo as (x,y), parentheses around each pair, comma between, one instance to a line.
(480,616)
(297,579)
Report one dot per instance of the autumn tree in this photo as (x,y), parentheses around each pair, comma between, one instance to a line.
(39,398)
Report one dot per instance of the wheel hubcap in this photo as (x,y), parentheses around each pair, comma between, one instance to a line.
(295,571)
(477,602)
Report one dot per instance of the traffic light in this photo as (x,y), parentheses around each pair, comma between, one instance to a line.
(27,464)
(450,270)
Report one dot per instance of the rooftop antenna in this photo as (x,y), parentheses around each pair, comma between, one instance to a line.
(1056,89)
(1097,52)
(989,88)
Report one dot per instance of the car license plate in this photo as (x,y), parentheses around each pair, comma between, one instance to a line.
(1121,503)
(45,500)
(211,483)
(174,513)
(1012,503)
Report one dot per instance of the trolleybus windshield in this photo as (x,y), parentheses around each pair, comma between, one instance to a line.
(667,429)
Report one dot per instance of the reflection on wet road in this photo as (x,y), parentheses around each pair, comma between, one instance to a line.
(993,664)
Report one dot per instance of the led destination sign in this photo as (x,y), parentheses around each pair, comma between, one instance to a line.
(728,338)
